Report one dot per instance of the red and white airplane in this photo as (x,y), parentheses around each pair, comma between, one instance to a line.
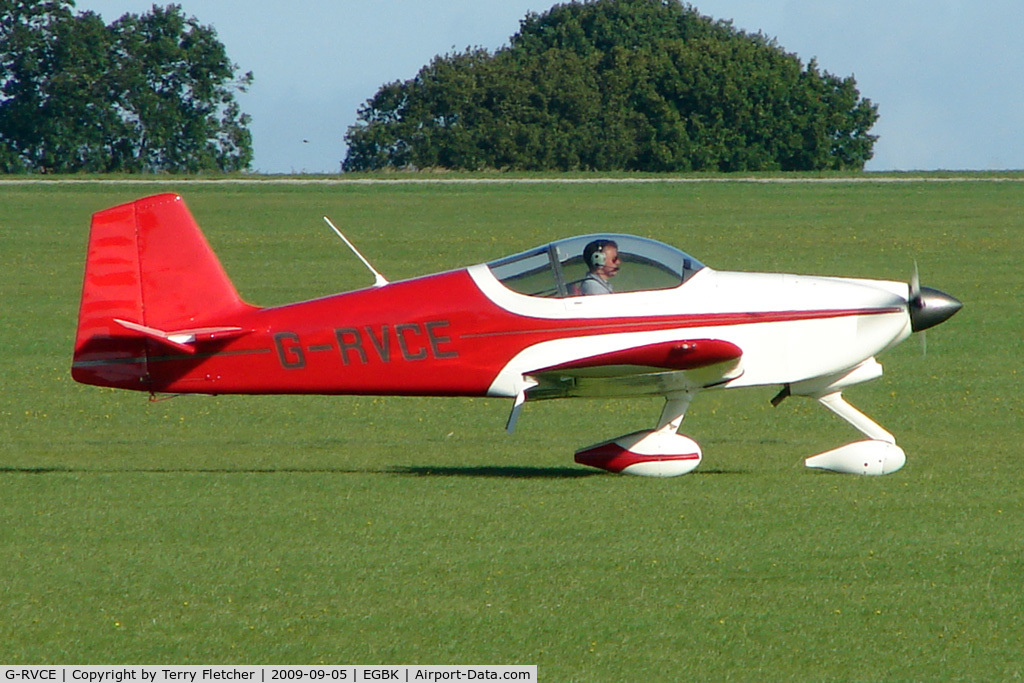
(159,314)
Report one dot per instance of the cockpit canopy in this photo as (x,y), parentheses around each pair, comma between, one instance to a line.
(556,269)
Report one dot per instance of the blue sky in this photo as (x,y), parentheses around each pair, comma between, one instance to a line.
(948,75)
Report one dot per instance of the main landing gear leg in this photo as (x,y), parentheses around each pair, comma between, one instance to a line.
(659,452)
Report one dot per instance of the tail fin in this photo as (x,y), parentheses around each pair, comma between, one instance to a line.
(150,277)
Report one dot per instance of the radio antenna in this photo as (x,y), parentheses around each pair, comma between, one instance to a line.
(378,279)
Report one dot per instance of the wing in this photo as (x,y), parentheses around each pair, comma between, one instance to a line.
(652,369)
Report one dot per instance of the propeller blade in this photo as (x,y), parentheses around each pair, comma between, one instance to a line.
(915,303)
(915,287)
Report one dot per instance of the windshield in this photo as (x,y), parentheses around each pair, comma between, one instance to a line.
(558,269)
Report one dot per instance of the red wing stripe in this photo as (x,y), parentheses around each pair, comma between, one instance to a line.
(673,355)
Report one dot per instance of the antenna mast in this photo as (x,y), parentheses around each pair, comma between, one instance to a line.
(378,279)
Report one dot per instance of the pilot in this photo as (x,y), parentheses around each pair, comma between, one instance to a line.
(602,258)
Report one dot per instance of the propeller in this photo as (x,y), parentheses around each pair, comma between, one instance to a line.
(915,302)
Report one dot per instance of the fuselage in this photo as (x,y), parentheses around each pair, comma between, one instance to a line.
(463,333)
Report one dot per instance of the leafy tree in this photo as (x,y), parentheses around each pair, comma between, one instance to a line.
(152,92)
(643,85)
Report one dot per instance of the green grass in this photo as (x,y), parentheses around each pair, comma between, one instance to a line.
(404,530)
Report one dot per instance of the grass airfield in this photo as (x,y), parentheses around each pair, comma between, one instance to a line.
(406,530)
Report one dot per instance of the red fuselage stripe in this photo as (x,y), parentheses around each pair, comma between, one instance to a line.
(688,321)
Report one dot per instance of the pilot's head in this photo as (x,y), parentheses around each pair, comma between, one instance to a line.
(602,258)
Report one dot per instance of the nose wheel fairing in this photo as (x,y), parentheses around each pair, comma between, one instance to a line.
(872,457)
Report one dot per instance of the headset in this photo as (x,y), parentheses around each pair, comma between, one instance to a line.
(597,257)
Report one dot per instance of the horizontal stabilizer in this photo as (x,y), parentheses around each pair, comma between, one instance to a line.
(183,340)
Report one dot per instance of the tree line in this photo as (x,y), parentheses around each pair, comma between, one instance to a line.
(147,93)
(618,85)
(604,85)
